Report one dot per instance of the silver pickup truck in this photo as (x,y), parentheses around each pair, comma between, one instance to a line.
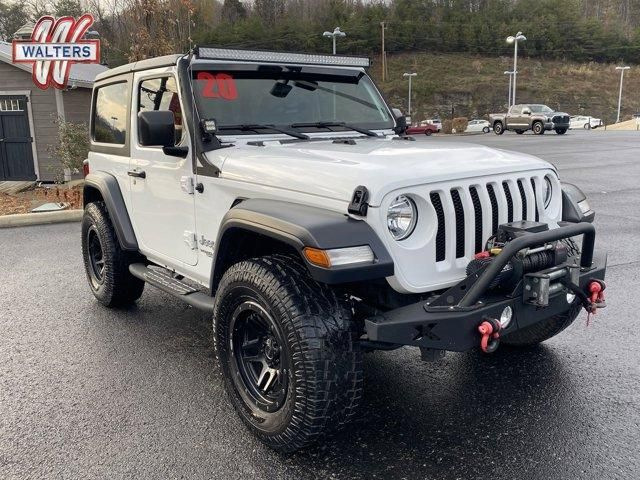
(523,117)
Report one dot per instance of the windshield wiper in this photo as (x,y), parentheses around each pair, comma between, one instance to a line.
(355,128)
(256,127)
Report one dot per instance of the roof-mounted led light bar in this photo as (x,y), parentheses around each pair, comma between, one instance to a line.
(260,56)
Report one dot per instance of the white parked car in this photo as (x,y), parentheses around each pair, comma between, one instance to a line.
(277,193)
(585,122)
(479,126)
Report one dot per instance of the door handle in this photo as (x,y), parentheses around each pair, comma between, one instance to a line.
(137,174)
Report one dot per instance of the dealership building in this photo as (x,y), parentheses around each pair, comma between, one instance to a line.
(28,132)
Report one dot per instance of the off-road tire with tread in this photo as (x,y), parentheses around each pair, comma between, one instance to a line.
(117,287)
(541,331)
(325,377)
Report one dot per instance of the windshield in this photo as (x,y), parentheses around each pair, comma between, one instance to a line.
(540,109)
(285,96)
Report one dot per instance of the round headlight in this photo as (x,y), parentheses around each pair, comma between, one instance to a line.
(547,190)
(401,217)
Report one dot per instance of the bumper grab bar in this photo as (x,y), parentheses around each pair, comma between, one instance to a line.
(512,248)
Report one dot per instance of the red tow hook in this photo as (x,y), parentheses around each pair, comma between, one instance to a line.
(490,335)
(596,294)
(596,289)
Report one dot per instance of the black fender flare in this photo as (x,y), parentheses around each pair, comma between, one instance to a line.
(107,185)
(301,226)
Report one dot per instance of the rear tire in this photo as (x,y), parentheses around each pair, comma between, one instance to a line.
(587,126)
(498,128)
(544,330)
(105,263)
(486,130)
(314,378)
(538,128)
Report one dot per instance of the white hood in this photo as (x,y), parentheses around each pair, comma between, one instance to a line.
(334,170)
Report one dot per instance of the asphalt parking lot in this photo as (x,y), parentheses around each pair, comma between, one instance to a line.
(87,392)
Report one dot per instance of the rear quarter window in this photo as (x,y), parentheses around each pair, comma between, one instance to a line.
(109,123)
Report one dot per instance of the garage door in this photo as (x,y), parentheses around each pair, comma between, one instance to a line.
(16,155)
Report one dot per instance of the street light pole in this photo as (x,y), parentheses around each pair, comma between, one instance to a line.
(509,92)
(622,69)
(384,55)
(410,75)
(519,37)
(336,33)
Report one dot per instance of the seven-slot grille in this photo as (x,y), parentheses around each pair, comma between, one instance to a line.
(473,214)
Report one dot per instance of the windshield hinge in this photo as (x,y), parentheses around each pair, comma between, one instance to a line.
(359,205)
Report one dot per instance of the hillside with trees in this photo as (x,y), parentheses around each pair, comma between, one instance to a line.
(457,46)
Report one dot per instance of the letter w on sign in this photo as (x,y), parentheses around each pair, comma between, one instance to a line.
(54,46)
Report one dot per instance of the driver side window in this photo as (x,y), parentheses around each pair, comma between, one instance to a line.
(162,94)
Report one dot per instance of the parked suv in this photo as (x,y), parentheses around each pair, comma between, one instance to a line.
(523,117)
(274,192)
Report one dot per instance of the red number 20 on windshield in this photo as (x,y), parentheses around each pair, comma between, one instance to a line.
(219,85)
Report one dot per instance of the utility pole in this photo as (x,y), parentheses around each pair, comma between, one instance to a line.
(622,69)
(384,55)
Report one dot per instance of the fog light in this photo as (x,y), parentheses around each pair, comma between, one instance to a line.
(506,316)
(571,297)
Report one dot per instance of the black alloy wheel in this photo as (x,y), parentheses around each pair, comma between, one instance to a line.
(260,369)
(95,257)
(105,263)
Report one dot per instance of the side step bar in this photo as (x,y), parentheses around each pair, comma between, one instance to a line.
(163,280)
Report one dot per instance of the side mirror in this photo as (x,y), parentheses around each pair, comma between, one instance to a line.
(401,121)
(575,207)
(156,128)
(526,111)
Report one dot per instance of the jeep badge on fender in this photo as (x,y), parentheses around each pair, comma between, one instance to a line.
(272,191)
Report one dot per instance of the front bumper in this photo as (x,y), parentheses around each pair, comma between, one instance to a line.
(451,321)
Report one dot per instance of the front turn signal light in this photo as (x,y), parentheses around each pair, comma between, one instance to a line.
(339,256)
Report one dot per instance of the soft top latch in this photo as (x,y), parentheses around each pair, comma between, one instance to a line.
(359,205)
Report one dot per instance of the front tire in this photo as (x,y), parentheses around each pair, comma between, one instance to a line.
(486,130)
(286,350)
(544,330)
(538,128)
(105,263)
(498,128)
(561,131)
(428,133)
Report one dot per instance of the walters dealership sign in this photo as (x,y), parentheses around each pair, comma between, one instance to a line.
(54,46)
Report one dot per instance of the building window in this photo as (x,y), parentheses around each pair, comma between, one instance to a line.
(10,105)
(161,94)
(110,114)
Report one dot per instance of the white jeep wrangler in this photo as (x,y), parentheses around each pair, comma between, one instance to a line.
(278,193)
